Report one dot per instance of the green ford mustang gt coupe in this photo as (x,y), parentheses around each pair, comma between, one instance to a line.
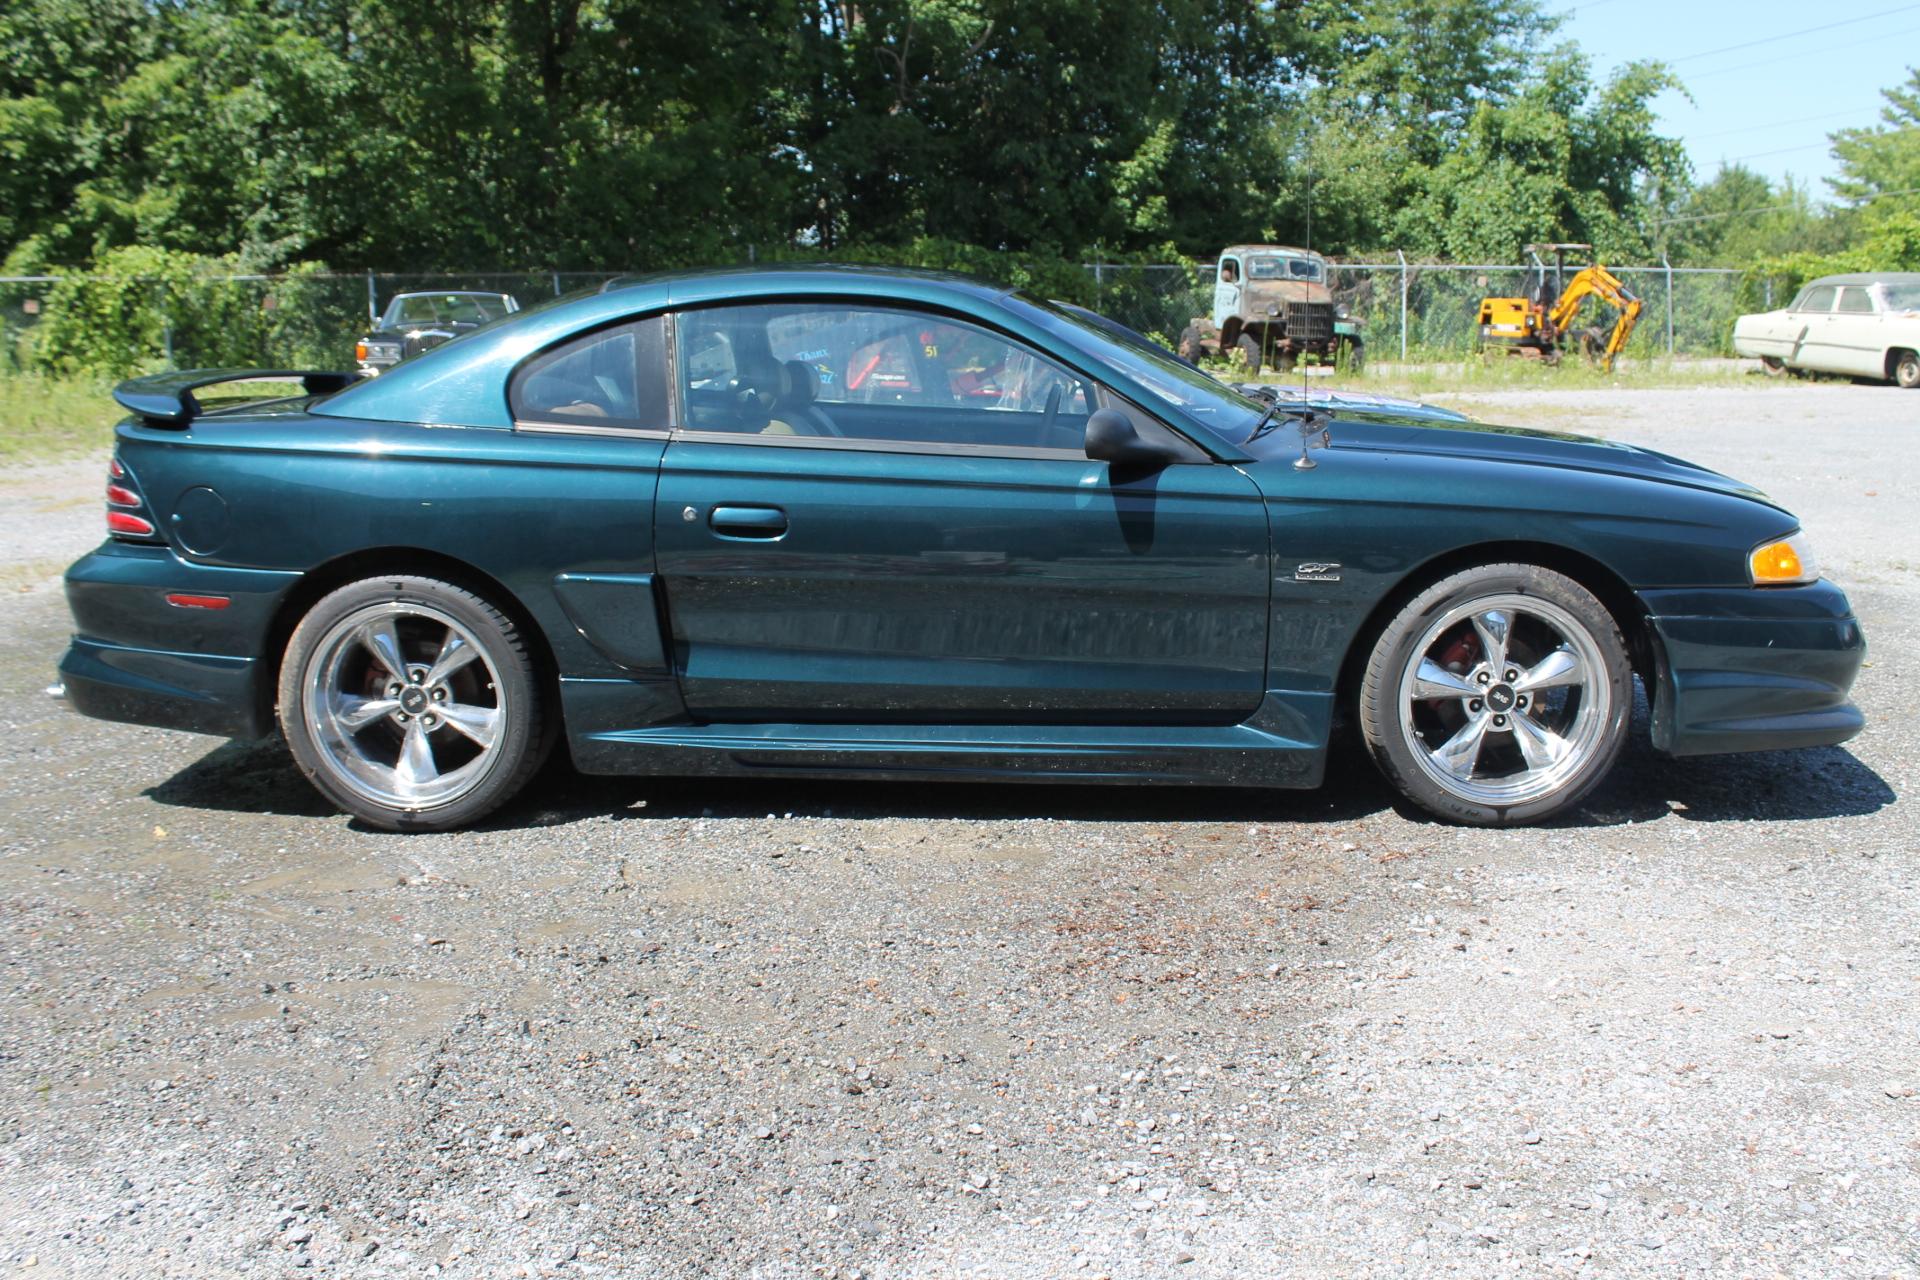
(871,523)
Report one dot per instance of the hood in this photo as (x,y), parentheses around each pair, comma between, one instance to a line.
(1265,291)
(1344,401)
(1463,438)
(411,328)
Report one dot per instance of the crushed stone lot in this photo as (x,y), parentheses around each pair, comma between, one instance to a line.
(660,1028)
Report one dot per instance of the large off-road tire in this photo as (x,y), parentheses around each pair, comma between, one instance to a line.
(1249,345)
(1497,696)
(412,703)
(1906,369)
(1193,344)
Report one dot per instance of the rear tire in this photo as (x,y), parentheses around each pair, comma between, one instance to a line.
(1906,369)
(1498,696)
(412,703)
(1772,366)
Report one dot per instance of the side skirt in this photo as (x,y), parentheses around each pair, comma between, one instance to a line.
(1283,744)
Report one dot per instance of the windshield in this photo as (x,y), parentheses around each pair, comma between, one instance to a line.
(1902,297)
(447,308)
(1195,395)
(1274,267)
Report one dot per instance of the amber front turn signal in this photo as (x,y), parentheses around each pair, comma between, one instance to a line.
(1788,561)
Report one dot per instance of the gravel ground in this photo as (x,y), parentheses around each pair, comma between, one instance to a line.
(662,1029)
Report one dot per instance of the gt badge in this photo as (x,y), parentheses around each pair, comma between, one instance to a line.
(1317,571)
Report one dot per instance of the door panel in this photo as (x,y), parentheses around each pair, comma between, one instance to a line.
(1226,293)
(1855,334)
(939,586)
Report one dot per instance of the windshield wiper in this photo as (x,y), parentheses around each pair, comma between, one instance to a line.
(1313,423)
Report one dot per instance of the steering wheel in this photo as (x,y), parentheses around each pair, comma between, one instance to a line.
(1047,417)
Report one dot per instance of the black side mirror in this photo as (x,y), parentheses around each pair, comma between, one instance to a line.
(1111,438)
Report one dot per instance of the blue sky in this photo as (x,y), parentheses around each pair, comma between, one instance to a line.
(1771,104)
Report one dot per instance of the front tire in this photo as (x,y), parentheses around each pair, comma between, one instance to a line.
(412,703)
(1497,696)
(1773,366)
(1249,345)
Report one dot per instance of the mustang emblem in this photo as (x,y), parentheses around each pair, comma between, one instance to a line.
(1317,571)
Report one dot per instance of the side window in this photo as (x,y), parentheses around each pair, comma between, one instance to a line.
(1229,271)
(610,378)
(1818,298)
(1854,300)
(874,374)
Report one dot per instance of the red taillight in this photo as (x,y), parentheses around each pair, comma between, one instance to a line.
(119,472)
(121,496)
(179,601)
(121,522)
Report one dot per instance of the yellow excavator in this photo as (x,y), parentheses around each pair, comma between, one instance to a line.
(1541,326)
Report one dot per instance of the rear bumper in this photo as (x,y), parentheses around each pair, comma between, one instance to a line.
(192,691)
(138,659)
(1754,670)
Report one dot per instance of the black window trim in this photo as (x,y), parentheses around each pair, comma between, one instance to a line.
(541,426)
(1105,397)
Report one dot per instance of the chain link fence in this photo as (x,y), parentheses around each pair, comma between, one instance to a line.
(1419,311)
(1430,311)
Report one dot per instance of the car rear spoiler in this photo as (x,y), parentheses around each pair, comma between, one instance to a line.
(167,400)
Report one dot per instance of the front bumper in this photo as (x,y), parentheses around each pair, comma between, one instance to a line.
(1754,669)
(138,659)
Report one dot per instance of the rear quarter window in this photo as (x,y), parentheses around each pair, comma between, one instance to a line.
(1818,298)
(613,377)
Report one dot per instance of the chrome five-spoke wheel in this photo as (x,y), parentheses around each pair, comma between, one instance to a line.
(411,703)
(1497,695)
(1506,701)
(405,705)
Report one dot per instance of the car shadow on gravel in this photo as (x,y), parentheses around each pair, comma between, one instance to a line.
(261,777)
(1774,786)
(560,795)
(1765,786)
(243,777)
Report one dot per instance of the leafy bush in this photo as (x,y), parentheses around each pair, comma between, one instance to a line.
(1891,243)
(140,308)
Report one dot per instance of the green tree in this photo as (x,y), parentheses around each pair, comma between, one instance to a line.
(1883,162)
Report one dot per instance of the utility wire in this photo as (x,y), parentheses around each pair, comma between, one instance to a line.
(1781,124)
(1781,151)
(1800,55)
(1776,208)
(1791,35)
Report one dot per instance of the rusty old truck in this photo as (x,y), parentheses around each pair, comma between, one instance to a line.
(1271,305)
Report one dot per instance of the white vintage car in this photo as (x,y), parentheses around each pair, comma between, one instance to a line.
(1866,326)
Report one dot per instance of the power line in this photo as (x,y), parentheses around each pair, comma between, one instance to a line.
(1775,208)
(1800,55)
(1781,124)
(1791,35)
(1781,151)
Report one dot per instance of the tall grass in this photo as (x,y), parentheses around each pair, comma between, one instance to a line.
(45,419)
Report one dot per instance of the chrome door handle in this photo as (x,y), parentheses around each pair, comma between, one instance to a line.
(763,524)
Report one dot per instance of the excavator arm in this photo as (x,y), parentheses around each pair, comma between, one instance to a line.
(1598,282)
